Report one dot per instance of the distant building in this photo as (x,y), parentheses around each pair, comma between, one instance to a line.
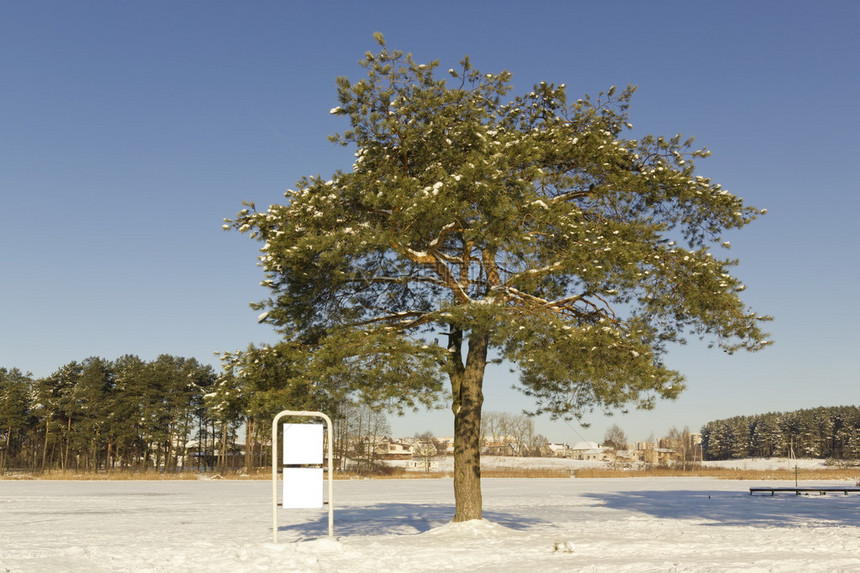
(652,453)
(554,450)
(589,451)
(388,449)
(499,448)
(582,446)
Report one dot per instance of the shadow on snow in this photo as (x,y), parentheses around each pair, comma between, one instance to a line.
(736,508)
(390,519)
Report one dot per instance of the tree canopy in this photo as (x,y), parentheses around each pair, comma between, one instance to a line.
(97,415)
(531,225)
(823,432)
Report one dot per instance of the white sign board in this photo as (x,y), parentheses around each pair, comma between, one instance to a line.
(303,488)
(303,444)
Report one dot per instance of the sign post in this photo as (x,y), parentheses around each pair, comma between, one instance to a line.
(303,445)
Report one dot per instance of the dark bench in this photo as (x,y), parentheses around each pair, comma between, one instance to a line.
(798,490)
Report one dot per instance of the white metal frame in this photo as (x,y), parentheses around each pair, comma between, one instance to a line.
(330,443)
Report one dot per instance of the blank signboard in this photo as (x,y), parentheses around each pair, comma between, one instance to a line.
(303,487)
(303,444)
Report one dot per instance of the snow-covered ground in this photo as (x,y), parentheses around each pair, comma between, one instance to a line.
(634,524)
(770,464)
(509,462)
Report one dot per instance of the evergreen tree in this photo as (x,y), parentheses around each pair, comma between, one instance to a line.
(15,415)
(258,383)
(95,414)
(54,406)
(532,226)
(824,432)
(127,413)
(91,406)
(739,428)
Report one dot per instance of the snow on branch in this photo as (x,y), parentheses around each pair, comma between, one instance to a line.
(437,262)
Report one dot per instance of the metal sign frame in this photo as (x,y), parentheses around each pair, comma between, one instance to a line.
(330,442)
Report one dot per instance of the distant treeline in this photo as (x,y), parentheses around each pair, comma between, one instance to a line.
(171,414)
(123,414)
(825,432)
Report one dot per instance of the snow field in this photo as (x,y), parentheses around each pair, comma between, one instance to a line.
(654,524)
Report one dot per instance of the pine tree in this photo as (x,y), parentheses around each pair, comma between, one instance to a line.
(92,400)
(532,226)
(15,415)
(127,413)
(258,383)
(54,406)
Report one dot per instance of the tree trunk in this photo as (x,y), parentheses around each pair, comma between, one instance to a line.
(223,451)
(6,449)
(169,461)
(468,397)
(94,453)
(68,443)
(45,447)
(250,430)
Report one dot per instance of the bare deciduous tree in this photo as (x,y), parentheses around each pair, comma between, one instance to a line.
(616,440)
(424,449)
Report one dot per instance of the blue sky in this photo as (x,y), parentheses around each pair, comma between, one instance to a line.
(128,131)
